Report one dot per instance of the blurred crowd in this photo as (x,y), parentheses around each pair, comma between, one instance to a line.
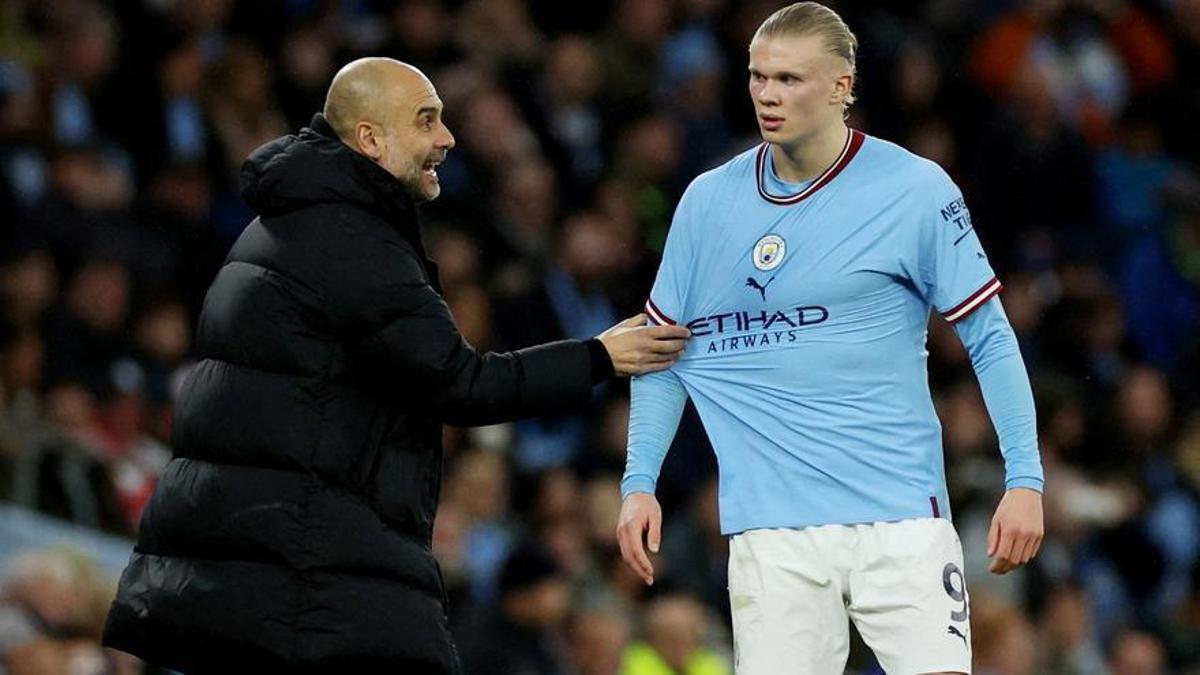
(1073,127)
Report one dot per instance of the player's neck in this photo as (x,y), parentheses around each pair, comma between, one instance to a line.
(809,157)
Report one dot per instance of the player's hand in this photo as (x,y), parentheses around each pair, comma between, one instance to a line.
(636,348)
(1017,530)
(638,527)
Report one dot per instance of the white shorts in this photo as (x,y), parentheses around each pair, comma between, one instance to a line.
(791,592)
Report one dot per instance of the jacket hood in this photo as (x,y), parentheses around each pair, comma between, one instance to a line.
(315,167)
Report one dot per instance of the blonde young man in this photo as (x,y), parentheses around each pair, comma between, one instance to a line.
(806,269)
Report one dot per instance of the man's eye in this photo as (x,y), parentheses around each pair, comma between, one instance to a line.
(787,79)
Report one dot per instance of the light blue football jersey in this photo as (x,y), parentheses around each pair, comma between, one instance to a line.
(808,306)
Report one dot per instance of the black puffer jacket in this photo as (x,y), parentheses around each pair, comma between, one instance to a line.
(292,530)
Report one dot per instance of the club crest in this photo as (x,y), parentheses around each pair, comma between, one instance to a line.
(768,252)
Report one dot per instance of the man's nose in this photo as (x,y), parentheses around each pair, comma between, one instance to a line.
(767,95)
(447,141)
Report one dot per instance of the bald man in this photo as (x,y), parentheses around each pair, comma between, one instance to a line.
(291,532)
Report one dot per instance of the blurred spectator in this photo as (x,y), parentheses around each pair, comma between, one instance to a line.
(674,629)
(306,63)
(242,105)
(1031,174)
(569,111)
(87,336)
(83,55)
(525,634)
(498,33)
(1161,265)
(422,35)
(52,606)
(629,52)
(28,288)
(695,555)
(1002,640)
(1067,637)
(692,76)
(598,640)
(647,162)
(1137,653)
(478,490)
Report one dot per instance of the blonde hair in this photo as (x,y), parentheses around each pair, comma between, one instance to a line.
(812,18)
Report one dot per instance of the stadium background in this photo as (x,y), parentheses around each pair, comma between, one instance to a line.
(1073,127)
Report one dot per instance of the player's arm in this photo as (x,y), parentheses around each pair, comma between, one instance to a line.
(1016,531)
(955,276)
(656,405)
(656,400)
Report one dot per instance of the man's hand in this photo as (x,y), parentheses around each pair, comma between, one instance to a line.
(1017,530)
(636,348)
(641,517)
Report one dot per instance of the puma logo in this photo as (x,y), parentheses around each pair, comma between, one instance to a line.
(951,630)
(753,283)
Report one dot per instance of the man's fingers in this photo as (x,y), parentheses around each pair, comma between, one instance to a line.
(1003,557)
(1035,544)
(1027,550)
(993,538)
(668,332)
(643,560)
(666,346)
(626,539)
(654,535)
(630,537)
(634,321)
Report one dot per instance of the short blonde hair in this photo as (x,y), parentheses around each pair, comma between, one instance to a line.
(812,18)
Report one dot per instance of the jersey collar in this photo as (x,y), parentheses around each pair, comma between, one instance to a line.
(854,141)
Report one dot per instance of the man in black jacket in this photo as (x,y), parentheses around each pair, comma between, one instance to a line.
(291,533)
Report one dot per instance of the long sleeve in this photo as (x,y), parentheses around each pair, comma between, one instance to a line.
(996,358)
(656,404)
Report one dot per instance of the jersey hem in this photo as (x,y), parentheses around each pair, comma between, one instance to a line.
(736,528)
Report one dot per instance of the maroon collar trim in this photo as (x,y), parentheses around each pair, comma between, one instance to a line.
(854,141)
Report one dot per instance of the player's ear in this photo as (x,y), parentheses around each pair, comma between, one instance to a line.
(843,84)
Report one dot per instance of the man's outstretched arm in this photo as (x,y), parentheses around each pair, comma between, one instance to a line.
(1017,529)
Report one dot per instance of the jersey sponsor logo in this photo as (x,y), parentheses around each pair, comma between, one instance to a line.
(768,252)
(733,331)
(956,212)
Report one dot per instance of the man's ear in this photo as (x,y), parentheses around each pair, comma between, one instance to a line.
(366,142)
(843,87)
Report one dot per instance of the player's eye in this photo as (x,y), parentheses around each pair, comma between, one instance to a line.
(757,77)
(427,122)
(788,79)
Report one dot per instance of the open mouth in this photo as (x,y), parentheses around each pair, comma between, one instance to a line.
(430,168)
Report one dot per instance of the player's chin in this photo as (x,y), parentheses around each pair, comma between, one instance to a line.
(777,136)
